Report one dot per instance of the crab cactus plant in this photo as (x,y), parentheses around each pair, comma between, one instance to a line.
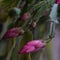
(27,28)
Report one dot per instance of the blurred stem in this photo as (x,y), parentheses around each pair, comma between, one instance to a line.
(19,3)
(51,32)
(5,27)
(49,51)
(10,52)
(41,55)
(52,28)
(29,56)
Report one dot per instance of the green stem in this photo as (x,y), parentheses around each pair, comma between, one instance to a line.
(10,52)
(19,3)
(29,56)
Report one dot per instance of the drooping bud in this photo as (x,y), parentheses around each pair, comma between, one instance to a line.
(32,46)
(14,32)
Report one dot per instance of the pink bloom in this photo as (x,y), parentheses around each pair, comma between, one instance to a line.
(58,1)
(32,46)
(25,16)
(14,32)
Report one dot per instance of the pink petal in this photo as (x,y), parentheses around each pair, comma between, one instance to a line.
(34,42)
(30,49)
(58,1)
(27,49)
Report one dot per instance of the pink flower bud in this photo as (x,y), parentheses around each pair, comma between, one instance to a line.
(58,1)
(32,46)
(25,16)
(14,32)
